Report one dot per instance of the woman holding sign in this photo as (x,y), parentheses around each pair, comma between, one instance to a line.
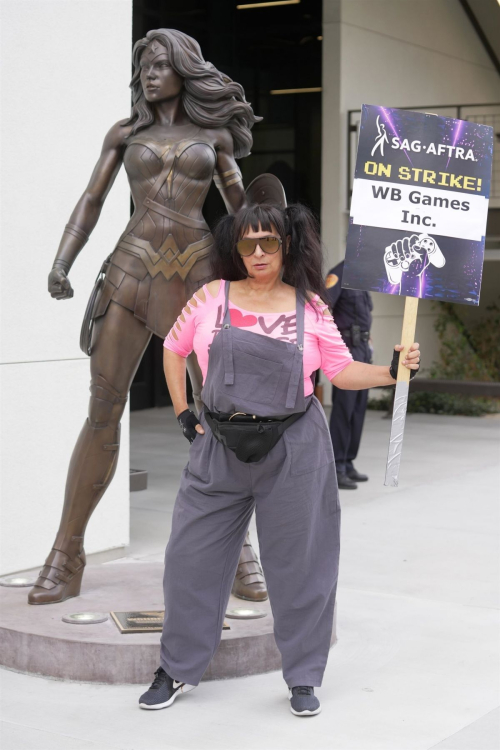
(260,331)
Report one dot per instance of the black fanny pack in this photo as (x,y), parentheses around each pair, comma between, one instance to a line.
(248,436)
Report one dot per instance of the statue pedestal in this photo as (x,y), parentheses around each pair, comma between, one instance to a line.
(34,639)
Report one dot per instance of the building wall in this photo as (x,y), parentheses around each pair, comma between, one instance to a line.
(396,53)
(65,76)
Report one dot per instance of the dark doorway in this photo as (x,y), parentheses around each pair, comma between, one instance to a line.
(266,49)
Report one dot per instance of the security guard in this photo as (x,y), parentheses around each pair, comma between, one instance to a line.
(352,313)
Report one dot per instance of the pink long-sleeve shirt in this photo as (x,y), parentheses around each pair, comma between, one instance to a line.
(199,322)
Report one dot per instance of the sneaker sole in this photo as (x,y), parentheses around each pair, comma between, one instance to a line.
(184,689)
(305,713)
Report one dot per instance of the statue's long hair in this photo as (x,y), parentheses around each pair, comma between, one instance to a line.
(210,98)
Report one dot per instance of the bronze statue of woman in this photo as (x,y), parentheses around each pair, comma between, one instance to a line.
(188,121)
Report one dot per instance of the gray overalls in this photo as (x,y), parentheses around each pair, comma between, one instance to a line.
(293,490)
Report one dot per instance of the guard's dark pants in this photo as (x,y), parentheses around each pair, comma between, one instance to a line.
(294,493)
(346,425)
(347,417)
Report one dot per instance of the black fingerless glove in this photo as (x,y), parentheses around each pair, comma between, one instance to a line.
(393,369)
(187,422)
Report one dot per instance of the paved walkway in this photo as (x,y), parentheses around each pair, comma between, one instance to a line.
(416,666)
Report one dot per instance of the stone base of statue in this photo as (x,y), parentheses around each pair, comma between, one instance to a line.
(36,640)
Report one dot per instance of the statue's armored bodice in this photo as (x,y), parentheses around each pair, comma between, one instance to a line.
(168,180)
(161,259)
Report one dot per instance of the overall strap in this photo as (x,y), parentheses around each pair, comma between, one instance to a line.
(227,340)
(296,373)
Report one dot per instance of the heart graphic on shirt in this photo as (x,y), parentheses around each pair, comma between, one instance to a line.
(242,321)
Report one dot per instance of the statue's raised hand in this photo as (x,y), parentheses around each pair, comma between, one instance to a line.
(59,284)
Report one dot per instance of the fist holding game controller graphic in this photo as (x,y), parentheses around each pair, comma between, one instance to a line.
(408,255)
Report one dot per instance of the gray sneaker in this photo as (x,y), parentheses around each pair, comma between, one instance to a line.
(303,702)
(163,691)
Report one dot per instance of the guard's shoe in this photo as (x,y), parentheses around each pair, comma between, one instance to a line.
(163,691)
(356,476)
(303,702)
(344,482)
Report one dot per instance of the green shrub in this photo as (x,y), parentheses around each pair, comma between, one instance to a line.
(449,403)
(467,353)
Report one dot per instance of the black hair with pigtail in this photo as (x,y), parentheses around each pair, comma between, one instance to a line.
(301,245)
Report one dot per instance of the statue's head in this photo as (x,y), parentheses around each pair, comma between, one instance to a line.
(159,79)
(168,63)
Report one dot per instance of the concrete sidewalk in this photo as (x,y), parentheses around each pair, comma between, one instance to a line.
(416,665)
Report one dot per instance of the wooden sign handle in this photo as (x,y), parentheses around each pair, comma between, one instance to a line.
(407,336)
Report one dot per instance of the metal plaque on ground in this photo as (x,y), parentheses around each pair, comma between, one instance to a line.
(142,622)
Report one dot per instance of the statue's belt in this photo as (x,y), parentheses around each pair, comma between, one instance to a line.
(168,259)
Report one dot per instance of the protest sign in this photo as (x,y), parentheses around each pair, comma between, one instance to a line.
(419,206)
(418,221)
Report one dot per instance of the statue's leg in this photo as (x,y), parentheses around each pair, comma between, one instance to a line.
(119,342)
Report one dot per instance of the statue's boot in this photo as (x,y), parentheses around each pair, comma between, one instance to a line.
(249,581)
(91,470)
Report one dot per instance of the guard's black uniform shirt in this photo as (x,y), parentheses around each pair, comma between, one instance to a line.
(350,307)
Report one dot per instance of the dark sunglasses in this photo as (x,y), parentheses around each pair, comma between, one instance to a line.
(269,245)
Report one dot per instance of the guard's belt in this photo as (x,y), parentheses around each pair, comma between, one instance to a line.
(355,335)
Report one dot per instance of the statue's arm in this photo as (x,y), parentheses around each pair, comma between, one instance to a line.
(227,173)
(86,212)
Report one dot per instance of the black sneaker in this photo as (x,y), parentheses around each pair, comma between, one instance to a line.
(303,701)
(163,691)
